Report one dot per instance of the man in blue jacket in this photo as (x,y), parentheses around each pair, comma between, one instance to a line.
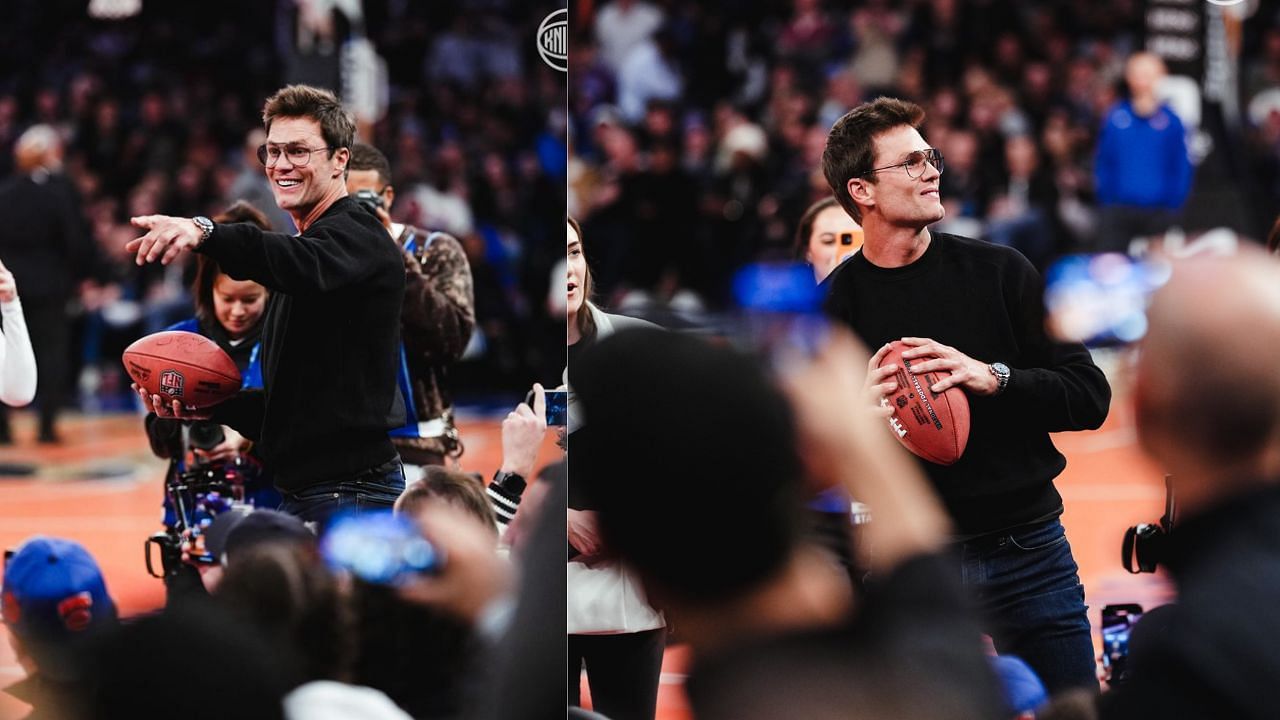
(1141,171)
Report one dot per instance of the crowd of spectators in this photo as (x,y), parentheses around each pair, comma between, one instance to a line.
(697,128)
(159,114)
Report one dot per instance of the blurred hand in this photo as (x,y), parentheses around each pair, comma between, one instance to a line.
(166,239)
(384,217)
(522,433)
(473,575)
(233,445)
(973,375)
(8,288)
(174,409)
(584,532)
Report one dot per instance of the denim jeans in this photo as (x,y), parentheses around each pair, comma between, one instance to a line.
(1030,593)
(374,489)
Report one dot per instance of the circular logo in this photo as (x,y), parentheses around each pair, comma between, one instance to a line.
(553,40)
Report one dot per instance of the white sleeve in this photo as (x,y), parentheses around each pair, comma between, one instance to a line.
(17,361)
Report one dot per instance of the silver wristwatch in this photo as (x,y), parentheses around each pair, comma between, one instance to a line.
(205,225)
(1001,372)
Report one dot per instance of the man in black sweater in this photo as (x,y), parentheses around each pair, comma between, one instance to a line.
(1208,412)
(332,328)
(974,310)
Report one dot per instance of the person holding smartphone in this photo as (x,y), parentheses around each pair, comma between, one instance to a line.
(826,236)
(613,632)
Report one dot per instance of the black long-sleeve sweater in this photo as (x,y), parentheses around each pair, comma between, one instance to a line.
(987,302)
(330,344)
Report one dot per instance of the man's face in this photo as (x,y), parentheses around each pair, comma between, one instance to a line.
(358,180)
(900,199)
(298,188)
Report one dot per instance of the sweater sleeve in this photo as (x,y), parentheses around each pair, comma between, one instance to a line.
(439,303)
(244,413)
(326,257)
(18,362)
(1055,384)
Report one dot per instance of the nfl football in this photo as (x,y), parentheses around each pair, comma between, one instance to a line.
(934,426)
(182,365)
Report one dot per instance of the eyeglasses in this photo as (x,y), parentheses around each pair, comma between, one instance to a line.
(915,163)
(299,155)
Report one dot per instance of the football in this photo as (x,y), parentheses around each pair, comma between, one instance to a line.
(933,426)
(182,365)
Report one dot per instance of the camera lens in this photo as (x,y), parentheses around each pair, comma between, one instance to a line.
(846,238)
(206,435)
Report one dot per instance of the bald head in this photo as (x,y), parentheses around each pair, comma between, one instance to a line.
(1208,390)
(1143,72)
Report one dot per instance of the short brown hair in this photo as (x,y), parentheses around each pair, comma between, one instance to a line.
(851,148)
(462,490)
(207,269)
(806,225)
(586,323)
(368,157)
(304,101)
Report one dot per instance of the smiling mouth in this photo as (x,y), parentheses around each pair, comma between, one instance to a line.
(287,183)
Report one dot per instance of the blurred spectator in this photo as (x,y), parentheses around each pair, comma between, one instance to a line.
(622,25)
(771,621)
(1216,434)
(464,491)
(436,318)
(252,186)
(1142,170)
(46,245)
(55,603)
(826,236)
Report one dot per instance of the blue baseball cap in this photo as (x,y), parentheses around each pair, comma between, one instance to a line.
(53,594)
(1023,690)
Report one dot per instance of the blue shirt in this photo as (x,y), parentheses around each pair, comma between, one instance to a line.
(1142,161)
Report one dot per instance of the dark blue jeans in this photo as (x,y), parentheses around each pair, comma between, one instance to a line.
(374,489)
(1027,583)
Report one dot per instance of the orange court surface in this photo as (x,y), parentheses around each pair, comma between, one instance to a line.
(102,487)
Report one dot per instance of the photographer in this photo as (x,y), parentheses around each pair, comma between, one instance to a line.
(332,324)
(1207,401)
(435,321)
(229,312)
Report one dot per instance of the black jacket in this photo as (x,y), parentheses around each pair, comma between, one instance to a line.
(330,344)
(1213,654)
(44,239)
(987,302)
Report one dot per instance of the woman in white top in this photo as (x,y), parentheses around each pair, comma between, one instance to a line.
(17,362)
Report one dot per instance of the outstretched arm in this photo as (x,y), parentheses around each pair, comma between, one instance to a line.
(17,361)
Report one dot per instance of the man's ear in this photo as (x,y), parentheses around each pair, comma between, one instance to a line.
(390,194)
(862,191)
(341,156)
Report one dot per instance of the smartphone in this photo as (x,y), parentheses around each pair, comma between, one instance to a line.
(847,244)
(379,547)
(1117,623)
(557,406)
(779,312)
(1101,300)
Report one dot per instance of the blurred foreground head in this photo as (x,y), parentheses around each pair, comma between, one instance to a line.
(1207,395)
(693,464)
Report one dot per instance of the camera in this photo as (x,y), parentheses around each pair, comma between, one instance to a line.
(1144,544)
(370,201)
(206,435)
